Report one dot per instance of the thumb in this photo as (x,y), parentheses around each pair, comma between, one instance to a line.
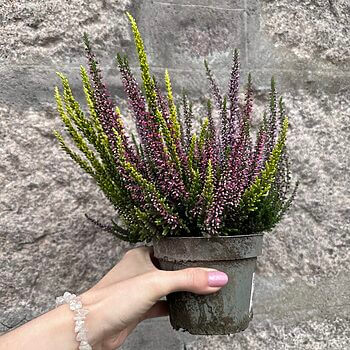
(197,280)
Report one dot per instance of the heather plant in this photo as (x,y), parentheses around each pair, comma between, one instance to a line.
(168,180)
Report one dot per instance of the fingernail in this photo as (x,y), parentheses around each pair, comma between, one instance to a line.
(217,279)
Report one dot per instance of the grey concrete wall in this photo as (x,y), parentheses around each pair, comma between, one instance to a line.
(302,295)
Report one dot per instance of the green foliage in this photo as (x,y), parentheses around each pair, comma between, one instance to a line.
(191,154)
(148,83)
(175,181)
(173,113)
(262,184)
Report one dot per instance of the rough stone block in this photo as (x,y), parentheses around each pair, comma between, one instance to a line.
(37,32)
(314,32)
(280,298)
(178,37)
(284,37)
(328,333)
(154,334)
(318,143)
(263,51)
(46,244)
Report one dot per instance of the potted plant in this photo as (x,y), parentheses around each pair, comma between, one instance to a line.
(202,199)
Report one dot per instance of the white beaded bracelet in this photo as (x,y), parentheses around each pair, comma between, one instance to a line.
(80,315)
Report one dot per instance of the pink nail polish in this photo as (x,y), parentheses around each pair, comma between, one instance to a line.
(217,279)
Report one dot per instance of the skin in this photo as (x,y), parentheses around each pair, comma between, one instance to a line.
(128,294)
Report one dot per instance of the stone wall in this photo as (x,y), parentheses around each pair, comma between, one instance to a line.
(302,294)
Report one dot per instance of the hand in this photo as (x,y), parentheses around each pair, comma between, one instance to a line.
(130,293)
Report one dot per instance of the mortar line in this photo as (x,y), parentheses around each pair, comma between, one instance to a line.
(202,6)
(320,72)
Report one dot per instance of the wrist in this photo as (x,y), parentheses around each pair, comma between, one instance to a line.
(93,322)
(55,329)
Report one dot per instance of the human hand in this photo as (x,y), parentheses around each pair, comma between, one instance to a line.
(129,293)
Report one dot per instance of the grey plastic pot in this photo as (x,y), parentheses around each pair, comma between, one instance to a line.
(224,312)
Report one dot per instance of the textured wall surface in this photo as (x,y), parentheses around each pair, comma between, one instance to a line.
(302,294)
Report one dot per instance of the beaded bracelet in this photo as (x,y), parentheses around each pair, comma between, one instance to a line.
(75,304)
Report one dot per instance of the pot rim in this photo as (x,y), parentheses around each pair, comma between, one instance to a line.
(207,249)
